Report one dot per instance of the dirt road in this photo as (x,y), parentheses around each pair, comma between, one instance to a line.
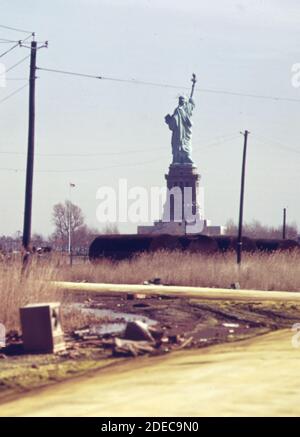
(259,377)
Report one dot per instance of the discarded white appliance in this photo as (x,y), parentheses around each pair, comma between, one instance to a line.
(41,328)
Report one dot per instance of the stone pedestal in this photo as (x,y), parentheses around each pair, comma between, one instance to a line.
(181,213)
(182,203)
(183,209)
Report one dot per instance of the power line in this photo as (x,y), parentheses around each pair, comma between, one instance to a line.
(276,143)
(165,85)
(218,142)
(82,155)
(89,170)
(10,49)
(17,64)
(7,41)
(221,140)
(11,68)
(14,46)
(252,96)
(70,73)
(16,29)
(133,164)
(14,93)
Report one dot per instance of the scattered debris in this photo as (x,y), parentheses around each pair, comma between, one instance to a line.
(175,338)
(154,281)
(141,305)
(131,348)
(230,325)
(156,333)
(79,334)
(13,336)
(138,331)
(70,354)
(138,338)
(235,286)
(133,296)
(185,343)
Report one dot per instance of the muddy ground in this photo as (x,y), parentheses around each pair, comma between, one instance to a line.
(208,322)
(183,322)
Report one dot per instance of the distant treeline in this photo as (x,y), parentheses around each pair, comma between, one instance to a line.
(256,229)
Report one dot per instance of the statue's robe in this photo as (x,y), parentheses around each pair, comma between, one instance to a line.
(180,124)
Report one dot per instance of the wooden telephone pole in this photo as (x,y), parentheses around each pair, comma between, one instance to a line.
(30,149)
(240,230)
(284,225)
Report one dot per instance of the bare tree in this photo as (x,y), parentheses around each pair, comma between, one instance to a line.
(256,229)
(83,237)
(38,240)
(66,215)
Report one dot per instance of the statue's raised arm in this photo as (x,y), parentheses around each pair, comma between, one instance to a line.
(194,80)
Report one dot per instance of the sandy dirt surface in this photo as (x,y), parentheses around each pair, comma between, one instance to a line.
(194,323)
(258,376)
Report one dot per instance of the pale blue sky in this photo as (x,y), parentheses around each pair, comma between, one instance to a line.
(233,45)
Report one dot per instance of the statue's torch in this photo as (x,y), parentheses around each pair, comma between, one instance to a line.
(194,80)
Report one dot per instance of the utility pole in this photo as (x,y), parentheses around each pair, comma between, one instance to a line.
(240,229)
(284,225)
(30,150)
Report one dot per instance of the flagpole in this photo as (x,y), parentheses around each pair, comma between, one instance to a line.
(71,185)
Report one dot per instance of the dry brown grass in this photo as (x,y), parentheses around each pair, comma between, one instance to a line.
(278,271)
(17,290)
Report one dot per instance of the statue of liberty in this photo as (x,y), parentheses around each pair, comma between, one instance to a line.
(180,123)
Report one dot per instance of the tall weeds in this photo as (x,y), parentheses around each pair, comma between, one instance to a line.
(261,271)
(277,271)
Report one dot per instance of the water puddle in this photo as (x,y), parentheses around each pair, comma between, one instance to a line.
(111,322)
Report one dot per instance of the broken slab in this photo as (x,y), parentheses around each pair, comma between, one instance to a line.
(131,348)
(138,331)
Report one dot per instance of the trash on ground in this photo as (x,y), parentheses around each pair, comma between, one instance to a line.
(138,331)
(231,325)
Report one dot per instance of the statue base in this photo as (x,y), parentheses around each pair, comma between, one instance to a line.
(181,214)
(183,182)
(183,211)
